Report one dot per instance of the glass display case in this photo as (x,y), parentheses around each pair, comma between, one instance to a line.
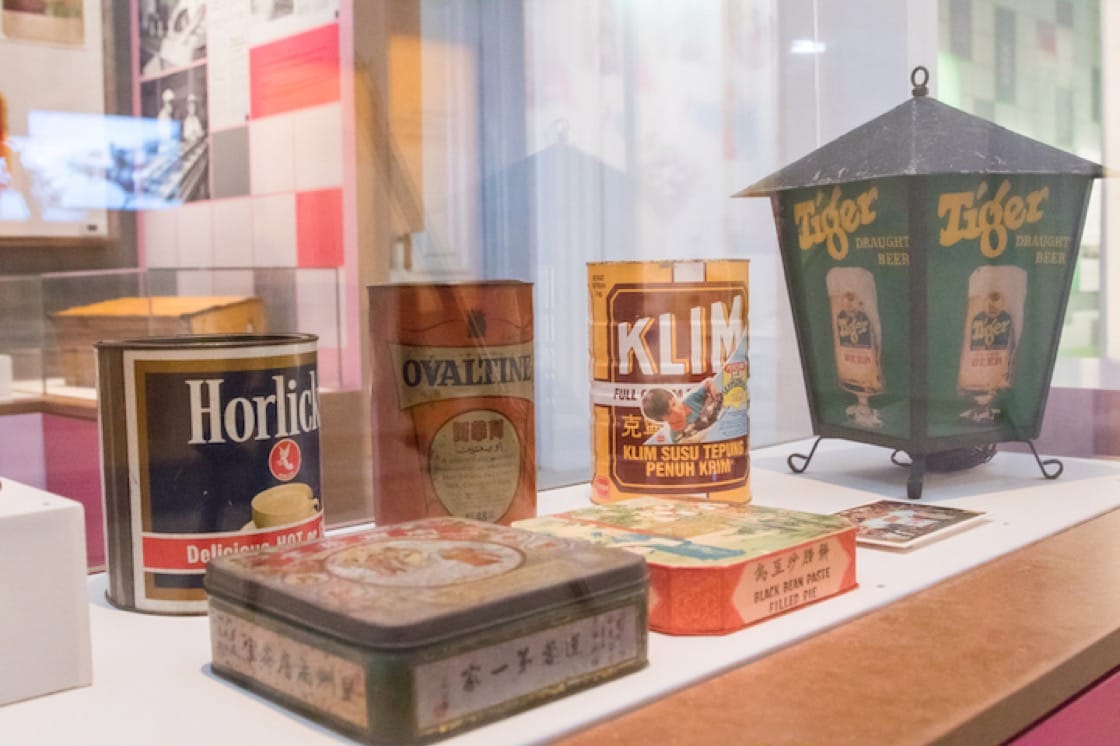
(52,320)
(187,166)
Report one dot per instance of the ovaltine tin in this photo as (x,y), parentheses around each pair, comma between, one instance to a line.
(452,411)
(209,446)
(410,632)
(669,373)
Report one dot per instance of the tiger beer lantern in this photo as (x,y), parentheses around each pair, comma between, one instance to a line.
(928,256)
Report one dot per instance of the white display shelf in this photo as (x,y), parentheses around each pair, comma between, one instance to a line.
(152,681)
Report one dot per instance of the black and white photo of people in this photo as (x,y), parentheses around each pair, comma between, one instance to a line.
(180,168)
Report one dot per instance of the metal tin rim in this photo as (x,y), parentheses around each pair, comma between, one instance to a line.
(659,262)
(219,341)
(619,580)
(448,284)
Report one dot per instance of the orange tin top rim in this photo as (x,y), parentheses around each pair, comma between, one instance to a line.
(653,262)
(447,284)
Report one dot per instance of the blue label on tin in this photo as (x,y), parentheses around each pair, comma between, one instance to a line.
(227,460)
(216,440)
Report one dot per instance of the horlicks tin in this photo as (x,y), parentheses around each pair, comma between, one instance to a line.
(669,374)
(209,447)
(452,401)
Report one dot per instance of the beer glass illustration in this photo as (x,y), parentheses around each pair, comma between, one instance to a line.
(993,326)
(857,339)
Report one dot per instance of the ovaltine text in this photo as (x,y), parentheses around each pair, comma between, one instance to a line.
(285,413)
(700,352)
(471,371)
(431,374)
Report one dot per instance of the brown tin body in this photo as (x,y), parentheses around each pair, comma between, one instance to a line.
(209,446)
(453,425)
(669,374)
(411,632)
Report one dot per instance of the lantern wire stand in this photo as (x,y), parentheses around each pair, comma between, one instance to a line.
(956,459)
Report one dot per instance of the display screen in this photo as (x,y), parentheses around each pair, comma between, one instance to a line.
(70,164)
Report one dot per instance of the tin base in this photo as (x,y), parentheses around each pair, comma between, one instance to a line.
(124,607)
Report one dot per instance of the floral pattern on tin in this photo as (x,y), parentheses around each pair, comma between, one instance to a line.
(406,573)
(423,563)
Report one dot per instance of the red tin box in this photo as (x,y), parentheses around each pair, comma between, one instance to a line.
(717,567)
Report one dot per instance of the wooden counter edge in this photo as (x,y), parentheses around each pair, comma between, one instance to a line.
(975,659)
(63,406)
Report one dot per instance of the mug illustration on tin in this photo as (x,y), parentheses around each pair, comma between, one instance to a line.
(282,505)
(993,325)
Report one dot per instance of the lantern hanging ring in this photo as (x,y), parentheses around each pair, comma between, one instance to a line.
(919,78)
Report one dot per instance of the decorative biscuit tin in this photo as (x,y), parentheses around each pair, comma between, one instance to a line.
(716,568)
(209,446)
(452,401)
(410,632)
(669,374)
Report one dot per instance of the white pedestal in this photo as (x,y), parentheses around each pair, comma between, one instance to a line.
(44,605)
(5,377)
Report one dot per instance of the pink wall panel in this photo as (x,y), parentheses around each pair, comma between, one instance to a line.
(74,470)
(1091,719)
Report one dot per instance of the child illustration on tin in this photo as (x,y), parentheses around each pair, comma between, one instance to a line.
(716,409)
(688,417)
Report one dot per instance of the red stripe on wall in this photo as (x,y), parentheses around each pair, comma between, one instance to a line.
(295,73)
(319,228)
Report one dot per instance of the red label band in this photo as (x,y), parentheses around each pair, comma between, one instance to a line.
(191,552)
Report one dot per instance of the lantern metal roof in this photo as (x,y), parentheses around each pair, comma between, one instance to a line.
(922,136)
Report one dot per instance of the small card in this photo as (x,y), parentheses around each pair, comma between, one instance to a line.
(898,524)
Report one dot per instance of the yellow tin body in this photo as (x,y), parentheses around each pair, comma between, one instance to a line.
(669,369)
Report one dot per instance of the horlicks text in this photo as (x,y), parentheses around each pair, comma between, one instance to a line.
(286,412)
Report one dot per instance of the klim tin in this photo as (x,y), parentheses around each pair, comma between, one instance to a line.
(669,372)
(209,447)
(452,411)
